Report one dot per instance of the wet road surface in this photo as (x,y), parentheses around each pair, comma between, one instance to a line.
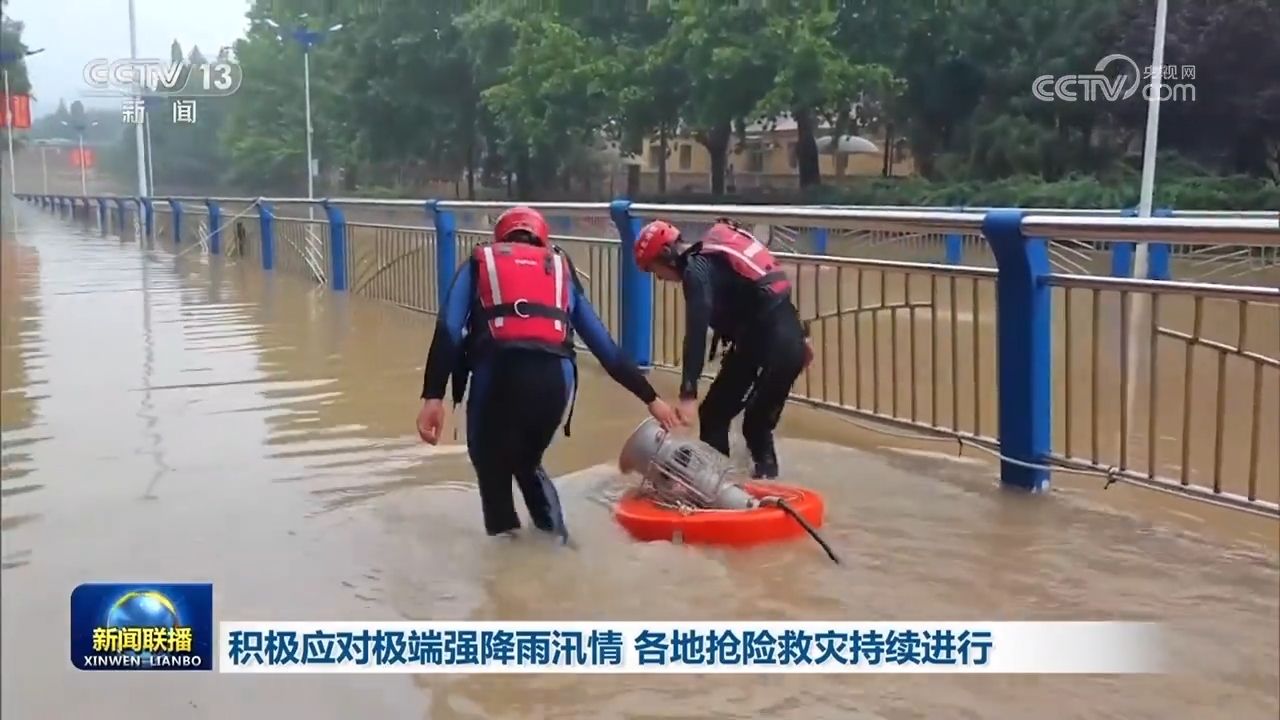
(186,419)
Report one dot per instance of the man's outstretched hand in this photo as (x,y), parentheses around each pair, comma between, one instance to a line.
(666,416)
(431,421)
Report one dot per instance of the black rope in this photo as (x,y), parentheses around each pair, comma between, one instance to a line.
(805,524)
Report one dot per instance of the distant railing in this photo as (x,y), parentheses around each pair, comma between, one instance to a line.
(983,326)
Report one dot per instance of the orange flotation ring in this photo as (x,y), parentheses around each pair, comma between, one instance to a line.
(647,521)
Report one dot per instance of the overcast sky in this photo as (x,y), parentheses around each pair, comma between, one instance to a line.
(73,32)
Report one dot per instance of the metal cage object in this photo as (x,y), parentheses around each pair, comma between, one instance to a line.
(682,472)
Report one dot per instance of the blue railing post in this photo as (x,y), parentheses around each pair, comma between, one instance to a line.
(175,209)
(266,231)
(337,245)
(635,289)
(446,226)
(266,227)
(1122,253)
(1158,267)
(121,212)
(953,245)
(1024,352)
(820,239)
(215,227)
(104,222)
(562,225)
(148,218)
(955,248)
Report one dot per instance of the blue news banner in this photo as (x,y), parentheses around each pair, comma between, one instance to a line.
(142,626)
(687,647)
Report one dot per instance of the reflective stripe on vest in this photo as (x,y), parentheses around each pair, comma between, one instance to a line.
(513,293)
(741,246)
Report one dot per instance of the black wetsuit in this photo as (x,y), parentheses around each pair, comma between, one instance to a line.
(518,399)
(766,354)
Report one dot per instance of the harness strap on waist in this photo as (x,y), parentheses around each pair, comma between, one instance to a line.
(523,308)
(772,277)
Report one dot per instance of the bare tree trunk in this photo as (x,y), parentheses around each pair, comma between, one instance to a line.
(842,127)
(717,144)
(662,159)
(887,169)
(471,168)
(806,148)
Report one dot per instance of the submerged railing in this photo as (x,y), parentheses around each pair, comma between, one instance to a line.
(1013,331)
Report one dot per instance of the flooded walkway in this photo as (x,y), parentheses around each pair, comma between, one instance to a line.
(185,419)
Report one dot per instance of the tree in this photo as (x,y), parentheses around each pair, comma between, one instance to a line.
(813,79)
(726,76)
(413,91)
(551,98)
(11,45)
(1231,48)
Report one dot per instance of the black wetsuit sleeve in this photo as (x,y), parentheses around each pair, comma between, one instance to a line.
(446,344)
(615,362)
(698,294)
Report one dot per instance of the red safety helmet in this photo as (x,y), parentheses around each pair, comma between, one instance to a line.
(656,242)
(522,218)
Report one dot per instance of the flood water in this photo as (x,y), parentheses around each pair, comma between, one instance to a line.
(187,419)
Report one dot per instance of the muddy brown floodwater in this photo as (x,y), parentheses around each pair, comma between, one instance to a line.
(186,419)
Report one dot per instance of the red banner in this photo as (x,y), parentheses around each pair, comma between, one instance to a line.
(18,109)
(82,158)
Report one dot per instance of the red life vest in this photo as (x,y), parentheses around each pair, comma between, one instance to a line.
(524,296)
(747,256)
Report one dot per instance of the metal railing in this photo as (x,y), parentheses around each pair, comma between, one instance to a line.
(1014,340)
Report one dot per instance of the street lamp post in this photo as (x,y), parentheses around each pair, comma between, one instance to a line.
(1140,311)
(146,124)
(5,59)
(44,166)
(307,39)
(137,134)
(80,128)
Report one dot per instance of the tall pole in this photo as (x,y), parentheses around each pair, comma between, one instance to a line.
(151,172)
(44,166)
(306,88)
(84,186)
(13,172)
(1141,260)
(8,119)
(138,138)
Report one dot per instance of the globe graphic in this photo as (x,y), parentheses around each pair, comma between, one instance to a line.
(142,609)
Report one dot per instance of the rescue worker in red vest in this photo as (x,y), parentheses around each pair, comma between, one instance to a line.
(735,287)
(509,321)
